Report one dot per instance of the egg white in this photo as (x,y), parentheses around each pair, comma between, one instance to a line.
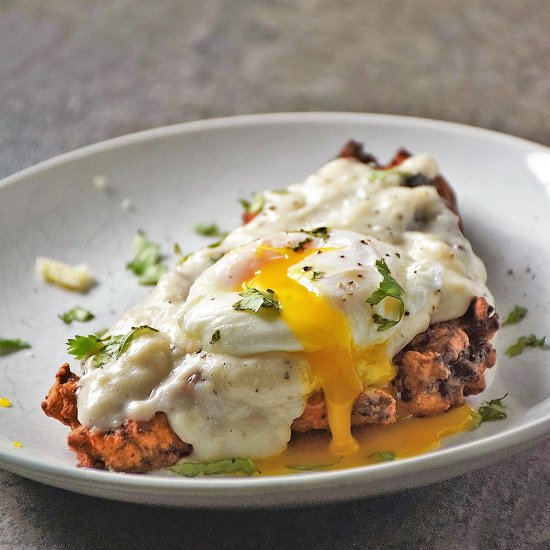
(347,261)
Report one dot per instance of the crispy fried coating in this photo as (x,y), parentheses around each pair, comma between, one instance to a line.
(141,446)
(60,403)
(373,406)
(135,446)
(441,366)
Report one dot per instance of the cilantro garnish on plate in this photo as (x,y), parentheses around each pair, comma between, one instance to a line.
(11,345)
(147,264)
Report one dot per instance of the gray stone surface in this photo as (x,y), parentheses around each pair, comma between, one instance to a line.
(72,73)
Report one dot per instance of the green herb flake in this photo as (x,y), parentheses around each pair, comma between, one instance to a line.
(525,341)
(215,337)
(11,345)
(309,467)
(254,206)
(515,316)
(228,466)
(104,349)
(146,264)
(380,175)
(76,314)
(476,420)
(388,288)
(492,410)
(316,275)
(83,347)
(382,456)
(254,299)
(124,343)
(181,257)
(301,245)
(210,230)
(383,323)
(320,233)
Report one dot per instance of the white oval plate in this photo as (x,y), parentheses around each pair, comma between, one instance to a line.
(181,175)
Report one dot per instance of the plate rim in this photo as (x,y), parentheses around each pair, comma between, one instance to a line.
(209,488)
(214,123)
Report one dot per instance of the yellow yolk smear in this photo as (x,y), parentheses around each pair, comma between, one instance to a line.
(409,436)
(324,333)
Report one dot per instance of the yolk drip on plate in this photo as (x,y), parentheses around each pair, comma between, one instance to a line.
(409,436)
(325,335)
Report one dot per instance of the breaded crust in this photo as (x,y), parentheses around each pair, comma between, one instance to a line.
(60,403)
(372,406)
(441,366)
(141,446)
(135,446)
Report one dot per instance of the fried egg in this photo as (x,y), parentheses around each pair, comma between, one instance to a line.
(322,286)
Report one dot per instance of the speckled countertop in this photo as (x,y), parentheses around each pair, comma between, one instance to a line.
(73,73)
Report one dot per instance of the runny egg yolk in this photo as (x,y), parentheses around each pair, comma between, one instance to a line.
(325,335)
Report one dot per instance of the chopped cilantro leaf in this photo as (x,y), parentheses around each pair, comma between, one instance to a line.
(146,264)
(209,230)
(320,233)
(76,314)
(476,419)
(316,275)
(254,299)
(11,345)
(216,244)
(388,288)
(228,466)
(215,337)
(492,410)
(384,324)
(127,339)
(379,175)
(307,467)
(515,316)
(255,205)
(525,341)
(83,347)
(181,257)
(104,349)
(301,245)
(382,456)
